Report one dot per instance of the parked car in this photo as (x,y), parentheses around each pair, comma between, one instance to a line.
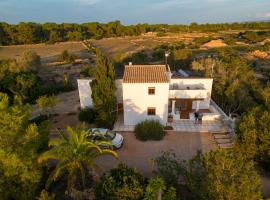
(103,133)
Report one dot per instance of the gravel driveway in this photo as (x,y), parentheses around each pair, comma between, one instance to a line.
(139,154)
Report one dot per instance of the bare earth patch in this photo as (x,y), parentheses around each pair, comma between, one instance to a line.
(139,154)
(47,52)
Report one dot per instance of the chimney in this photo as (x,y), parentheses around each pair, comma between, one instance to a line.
(130,63)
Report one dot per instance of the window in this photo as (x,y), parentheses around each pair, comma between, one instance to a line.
(151,111)
(151,91)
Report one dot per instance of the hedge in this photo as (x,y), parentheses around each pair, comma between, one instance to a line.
(149,130)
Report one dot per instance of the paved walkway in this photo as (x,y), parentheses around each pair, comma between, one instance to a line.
(205,126)
(179,126)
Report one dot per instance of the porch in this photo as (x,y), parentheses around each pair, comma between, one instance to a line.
(183,109)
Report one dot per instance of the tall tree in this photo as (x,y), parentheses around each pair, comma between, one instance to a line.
(254,135)
(20,145)
(231,176)
(218,175)
(103,91)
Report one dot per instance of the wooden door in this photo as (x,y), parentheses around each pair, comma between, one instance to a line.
(189,104)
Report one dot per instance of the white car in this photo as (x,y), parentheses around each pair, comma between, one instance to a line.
(102,133)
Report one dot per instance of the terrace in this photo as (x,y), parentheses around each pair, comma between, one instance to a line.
(196,91)
(181,109)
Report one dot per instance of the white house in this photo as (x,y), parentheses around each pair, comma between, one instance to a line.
(151,92)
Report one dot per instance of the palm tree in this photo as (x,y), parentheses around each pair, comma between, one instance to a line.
(75,154)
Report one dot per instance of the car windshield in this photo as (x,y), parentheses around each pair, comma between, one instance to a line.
(110,135)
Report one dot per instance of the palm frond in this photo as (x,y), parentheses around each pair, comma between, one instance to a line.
(56,173)
(62,135)
(55,142)
(50,154)
(109,152)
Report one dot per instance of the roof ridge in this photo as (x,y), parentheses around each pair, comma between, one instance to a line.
(145,74)
(145,65)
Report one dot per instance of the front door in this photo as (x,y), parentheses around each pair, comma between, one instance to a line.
(189,104)
(186,108)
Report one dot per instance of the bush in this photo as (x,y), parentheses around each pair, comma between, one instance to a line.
(149,130)
(122,183)
(65,56)
(161,34)
(87,115)
(168,127)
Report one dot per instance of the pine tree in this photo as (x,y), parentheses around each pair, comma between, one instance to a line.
(103,91)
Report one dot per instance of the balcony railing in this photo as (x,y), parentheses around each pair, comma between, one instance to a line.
(186,87)
(188,94)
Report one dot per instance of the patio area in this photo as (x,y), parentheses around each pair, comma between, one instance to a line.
(205,126)
(179,126)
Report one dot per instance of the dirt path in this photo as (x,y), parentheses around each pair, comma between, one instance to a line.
(265,178)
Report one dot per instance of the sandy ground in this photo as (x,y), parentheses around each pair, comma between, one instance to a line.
(69,103)
(139,154)
(47,52)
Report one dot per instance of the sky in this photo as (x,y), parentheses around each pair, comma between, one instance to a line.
(134,11)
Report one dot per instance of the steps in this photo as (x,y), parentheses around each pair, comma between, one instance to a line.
(224,140)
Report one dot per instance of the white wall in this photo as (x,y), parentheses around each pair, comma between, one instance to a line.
(136,101)
(85,93)
(205,83)
(119,90)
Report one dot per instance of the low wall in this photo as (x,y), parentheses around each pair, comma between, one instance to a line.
(206,116)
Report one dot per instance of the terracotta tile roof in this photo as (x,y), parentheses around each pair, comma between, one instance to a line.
(145,74)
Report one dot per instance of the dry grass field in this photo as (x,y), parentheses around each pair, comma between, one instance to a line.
(47,52)
(129,45)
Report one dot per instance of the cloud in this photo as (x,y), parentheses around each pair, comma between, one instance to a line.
(87,2)
(265,15)
(217,1)
(170,4)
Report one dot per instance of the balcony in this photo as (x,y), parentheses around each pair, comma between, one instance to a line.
(187,92)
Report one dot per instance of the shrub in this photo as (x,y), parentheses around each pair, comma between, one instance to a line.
(46,103)
(168,127)
(87,71)
(161,34)
(65,56)
(29,61)
(149,130)
(156,189)
(122,183)
(87,115)
(169,167)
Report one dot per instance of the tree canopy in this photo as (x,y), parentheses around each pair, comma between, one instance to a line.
(20,144)
(220,174)
(30,33)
